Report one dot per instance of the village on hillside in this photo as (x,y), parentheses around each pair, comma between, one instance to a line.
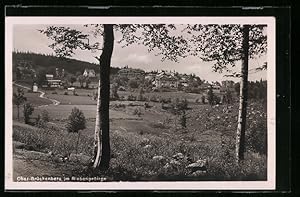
(127,78)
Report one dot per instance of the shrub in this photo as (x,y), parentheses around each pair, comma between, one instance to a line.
(256,137)
(131,97)
(153,98)
(76,122)
(28,110)
(66,93)
(132,83)
(45,116)
(137,111)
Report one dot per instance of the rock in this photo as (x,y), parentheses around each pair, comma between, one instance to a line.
(199,165)
(175,162)
(198,173)
(158,158)
(148,146)
(178,156)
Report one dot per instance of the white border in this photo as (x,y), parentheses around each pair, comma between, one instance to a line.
(180,185)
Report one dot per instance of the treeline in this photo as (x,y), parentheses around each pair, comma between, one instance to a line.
(50,62)
(257,90)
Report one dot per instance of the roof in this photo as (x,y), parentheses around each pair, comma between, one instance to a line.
(89,70)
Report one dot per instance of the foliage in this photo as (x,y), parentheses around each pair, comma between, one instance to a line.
(19,99)
(28,110)
(87,82)
(132,83)
(114,91)
(81,80)
(131,97)
(44,64)
(210,96)
(225,46)
(45,116)
(76,121)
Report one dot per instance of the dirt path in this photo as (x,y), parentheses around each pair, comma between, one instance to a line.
(42,95)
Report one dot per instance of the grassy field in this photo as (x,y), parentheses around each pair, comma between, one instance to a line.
(137,139)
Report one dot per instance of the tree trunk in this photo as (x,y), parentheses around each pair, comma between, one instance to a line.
(97,145)
(240,135)
(103,142)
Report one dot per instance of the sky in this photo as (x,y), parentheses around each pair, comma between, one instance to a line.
(28,38)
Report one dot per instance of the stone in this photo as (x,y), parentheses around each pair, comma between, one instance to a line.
(198,173)
(175,162)
(148,146)
(158,157)
(199,165)
(178,156)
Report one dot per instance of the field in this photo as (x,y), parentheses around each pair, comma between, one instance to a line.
(144,146)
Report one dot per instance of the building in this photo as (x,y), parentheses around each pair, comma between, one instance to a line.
(49,77)
(35,87)
(89,73)
(166,80)
(132,73)
(50,82)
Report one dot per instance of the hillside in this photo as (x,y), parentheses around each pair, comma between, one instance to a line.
(49,63)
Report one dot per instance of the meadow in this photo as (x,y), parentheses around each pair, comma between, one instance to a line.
(138,140)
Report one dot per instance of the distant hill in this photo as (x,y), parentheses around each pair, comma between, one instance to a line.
(49,63)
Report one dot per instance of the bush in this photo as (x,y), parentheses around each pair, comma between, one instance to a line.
(45,116)
(28,110)
(76,121)
(132,83)
(256,137)
(131,97)
(66,93)
(137,111)
(54,92)
(153,98)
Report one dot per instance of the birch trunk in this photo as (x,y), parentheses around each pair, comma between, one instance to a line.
(97,143)
(102,158)
(241,128)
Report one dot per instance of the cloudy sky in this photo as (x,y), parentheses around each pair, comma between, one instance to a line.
(27,38)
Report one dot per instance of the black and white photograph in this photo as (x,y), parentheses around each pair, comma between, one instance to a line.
(116,103)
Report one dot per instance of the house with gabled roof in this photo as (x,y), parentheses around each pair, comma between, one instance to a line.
(89,73)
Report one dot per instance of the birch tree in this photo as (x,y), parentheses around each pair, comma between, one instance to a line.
(225,45)
(67,40)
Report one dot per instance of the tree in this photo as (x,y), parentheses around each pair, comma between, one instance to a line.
(225,45)
(28,110)
(114,91)
(81,79)
(72,79)
(66,40)
(19,99)
(210,96)
(76,122)
(41,77)
(87,82)
(132,83)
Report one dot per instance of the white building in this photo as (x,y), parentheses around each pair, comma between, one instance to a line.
(89,73)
